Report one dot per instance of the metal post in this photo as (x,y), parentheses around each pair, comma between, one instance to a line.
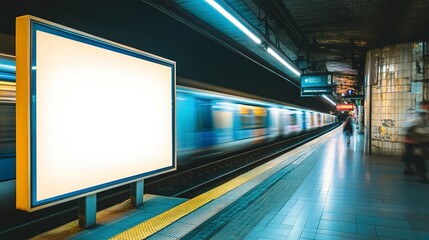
(136,193)
(87,211)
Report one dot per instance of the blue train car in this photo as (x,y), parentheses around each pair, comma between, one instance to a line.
(212,121)
(7,132)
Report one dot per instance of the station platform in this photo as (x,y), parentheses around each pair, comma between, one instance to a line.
(325,189)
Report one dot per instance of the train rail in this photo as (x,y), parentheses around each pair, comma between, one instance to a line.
(192,182)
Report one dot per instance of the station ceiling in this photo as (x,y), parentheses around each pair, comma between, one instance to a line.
(318,36)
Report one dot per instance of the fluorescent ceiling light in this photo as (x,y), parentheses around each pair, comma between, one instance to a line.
(329,100)
(232,19)
(280,59)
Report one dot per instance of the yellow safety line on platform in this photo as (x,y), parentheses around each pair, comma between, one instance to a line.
(157,223)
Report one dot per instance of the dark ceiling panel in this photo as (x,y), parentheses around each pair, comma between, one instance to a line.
(339,32)
(316,35)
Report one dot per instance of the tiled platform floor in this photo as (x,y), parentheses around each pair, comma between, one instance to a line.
(331,190)
(346,195)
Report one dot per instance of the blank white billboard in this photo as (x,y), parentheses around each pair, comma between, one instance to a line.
(100,114)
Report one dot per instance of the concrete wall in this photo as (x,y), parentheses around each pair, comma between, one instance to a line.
(396,81)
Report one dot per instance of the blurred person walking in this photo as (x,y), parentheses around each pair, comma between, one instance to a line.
(348,129)
(417,143)
(410,143)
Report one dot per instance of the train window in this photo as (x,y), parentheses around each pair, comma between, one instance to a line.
(7,128)
(222,119)
(204,115)
(293,119)
(7,118)
(7,92)
(311,119)
(252,117)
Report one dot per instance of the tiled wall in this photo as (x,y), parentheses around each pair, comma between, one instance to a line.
(401,83)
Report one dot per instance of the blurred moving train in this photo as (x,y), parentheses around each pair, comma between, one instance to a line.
(209,123)
(213,120)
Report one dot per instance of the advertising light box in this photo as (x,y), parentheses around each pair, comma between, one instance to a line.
(91,114)
(344,107)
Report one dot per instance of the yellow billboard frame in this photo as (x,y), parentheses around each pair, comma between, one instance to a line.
(26,188)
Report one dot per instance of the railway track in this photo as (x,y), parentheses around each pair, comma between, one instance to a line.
(192,182)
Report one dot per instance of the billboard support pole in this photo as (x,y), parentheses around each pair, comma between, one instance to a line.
(136,193)
(87,211)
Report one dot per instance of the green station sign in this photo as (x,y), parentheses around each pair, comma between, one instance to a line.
(314,85)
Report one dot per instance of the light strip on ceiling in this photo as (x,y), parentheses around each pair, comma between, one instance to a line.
(280,59)
(234,21)
(329,100)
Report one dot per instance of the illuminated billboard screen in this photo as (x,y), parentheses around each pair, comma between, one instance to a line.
(91,114)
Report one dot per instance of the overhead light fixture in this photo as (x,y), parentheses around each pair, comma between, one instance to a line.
(329,100)
(234,21)
(280,59)
(251,35)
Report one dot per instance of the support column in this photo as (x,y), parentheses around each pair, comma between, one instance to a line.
(361,120)
(371,78)
(87,211)
(136,193)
